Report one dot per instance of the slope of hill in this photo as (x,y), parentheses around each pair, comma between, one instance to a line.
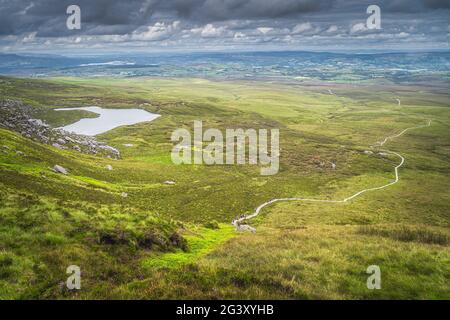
(134,236)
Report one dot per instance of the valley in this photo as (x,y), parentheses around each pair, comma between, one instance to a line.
(175,240)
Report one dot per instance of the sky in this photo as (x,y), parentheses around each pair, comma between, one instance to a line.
(173,25)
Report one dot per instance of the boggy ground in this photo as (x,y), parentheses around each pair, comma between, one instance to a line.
(176,241)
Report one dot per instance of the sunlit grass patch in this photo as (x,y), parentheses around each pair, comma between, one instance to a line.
(97,183)
(159,159)
(200,242)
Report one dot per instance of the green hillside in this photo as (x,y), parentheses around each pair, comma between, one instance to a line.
(176,241)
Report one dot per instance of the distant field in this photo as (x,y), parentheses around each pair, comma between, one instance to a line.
(300,250)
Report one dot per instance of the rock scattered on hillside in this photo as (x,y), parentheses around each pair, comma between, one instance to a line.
(169,182)
(109,167)
(322,164)
(16,116)
(58,146)
(245,228)
(59,169)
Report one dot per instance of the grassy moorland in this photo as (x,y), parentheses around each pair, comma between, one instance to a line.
(176,241)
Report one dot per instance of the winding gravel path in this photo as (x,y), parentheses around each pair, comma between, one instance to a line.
(236,222)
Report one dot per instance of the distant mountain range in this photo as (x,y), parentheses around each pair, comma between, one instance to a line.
(289,65)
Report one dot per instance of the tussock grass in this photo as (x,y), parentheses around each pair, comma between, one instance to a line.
(421,234)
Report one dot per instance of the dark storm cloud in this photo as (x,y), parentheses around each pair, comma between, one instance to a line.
(415,5)
(437,4)
(47,17)
(214,10)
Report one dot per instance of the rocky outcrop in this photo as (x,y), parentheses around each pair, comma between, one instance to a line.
(16,116)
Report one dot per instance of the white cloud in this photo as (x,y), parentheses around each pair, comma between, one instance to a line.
(159,31)
(29,37)
(359,27)
(239,35)
(332,29)
(288,39)
(264,30)
(209,31)
(24,11)
(403,35)
(302,27)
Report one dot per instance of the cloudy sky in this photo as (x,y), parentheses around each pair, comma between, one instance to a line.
(152,25)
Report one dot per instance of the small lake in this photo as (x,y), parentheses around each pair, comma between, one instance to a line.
(108,119)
